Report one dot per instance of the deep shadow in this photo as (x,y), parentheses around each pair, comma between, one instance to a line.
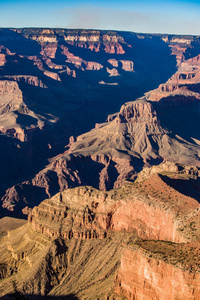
(190,187)
(193,50)
(193,87)
(78,102)
(19,296)
(22,45)
(17,65)
(25,120)
(180,115)
(150,54)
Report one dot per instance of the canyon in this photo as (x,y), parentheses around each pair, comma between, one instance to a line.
(56,84)
(100,165)
(55,99)
(141,240)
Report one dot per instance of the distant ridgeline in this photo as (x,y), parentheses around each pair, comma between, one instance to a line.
(55,84)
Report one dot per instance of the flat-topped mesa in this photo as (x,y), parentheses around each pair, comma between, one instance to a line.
(137,112)
(95,40)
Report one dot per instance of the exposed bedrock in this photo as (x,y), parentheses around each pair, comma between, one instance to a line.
(85,212)
(159,260)
(50,88)
(140,240)
(106,156)
(143,276)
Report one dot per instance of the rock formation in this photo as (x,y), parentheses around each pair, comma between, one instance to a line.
(57,83)
(53,80)
(138,240)
(159,270)
(183,85)
(107,155)
(141,240)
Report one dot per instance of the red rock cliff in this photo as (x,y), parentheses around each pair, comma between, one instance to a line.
(145,277)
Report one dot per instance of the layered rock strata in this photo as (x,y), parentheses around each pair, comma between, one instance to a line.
(108,154)
(159,270)
(88,213)
(121,244)
(183,85)
(50,84)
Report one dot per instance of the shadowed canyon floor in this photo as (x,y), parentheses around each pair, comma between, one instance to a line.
(107,155)
(112,194)
(58,83)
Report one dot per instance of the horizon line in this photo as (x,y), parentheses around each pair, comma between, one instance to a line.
(90,29)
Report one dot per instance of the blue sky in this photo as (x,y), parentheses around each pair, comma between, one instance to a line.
(175,17)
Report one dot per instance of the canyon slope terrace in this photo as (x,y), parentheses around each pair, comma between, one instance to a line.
(100,150)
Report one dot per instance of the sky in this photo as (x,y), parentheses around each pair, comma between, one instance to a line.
(172,17)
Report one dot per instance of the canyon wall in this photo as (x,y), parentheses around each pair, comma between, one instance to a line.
(138,241)
(60,77)
(145,277)
(51,83)
(106,156)
(139,209)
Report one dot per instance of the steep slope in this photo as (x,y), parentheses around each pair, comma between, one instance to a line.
(58,83)
(177,100)
(55,83)
(107,155)
(8,224)
(134,241)
(159,270)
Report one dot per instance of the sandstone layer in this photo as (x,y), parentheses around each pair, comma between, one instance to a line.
(141,240)
(53,80)
(107,155)
(138,241)
(153,273)
(152,208)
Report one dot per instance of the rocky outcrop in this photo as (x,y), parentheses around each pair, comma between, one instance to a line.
(143,275)
(56,78)
(88,213)
(137,241)
(175,168)
(107,155)
(137,112)
(24,79)
(127,65)
(184,83)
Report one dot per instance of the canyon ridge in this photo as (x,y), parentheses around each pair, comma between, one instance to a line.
(100,151)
